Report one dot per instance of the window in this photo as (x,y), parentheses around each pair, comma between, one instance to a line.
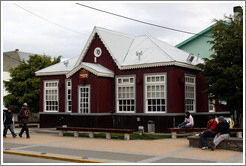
(84,99)
(190,93)
(51,96)
(211,104)
(125,94)
(68,95)
(155,93)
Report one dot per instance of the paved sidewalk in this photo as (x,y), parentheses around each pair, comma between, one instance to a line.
(117,151)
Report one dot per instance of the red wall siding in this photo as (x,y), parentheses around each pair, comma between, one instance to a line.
(101,92)
(105,91)
(61,91)
(105,59)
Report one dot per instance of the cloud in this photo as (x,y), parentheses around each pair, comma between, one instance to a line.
(23,30)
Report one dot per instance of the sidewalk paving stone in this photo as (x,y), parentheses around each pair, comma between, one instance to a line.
(157,151)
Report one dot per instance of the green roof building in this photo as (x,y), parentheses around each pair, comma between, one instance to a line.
(198,44)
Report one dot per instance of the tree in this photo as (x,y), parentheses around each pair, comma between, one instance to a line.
(24,86)
(224,71)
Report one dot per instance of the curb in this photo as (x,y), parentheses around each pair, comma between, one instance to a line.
(52,157)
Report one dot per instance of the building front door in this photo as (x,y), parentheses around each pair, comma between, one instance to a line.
(84,99)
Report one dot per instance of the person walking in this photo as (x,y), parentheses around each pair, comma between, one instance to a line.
(223,132)
(24,115)
(188,122)
(209,132)
(8,123)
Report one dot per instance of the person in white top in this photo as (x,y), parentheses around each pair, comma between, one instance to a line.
(188,122)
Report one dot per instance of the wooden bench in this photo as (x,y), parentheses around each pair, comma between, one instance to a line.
(91,131)
(29,123)
(235,144)
(174,131)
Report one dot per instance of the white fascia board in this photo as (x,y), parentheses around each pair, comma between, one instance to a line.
(72,72)
(189,66)
(159,64)
(51,73)
(147,65)
(90,70)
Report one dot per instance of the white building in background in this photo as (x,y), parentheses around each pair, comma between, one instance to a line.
(6,77)
(12,59)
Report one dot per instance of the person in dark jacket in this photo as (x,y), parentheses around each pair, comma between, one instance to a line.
(8,123)
(24,115)
(223,132)
(209,132)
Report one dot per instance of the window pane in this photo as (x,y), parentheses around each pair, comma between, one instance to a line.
(125,92)
(155,90)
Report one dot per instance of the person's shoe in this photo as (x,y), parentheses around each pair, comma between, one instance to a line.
(5,136)
(28,137)
(20,135)
(213,147)
(14,136)
(205,147)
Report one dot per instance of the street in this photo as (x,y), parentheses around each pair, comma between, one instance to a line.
(7,158)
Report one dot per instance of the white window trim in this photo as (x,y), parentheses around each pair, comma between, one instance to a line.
(194,107)
(66,93)
(145,92)
(116,94)
(44,95)
(89,99)
(212,103)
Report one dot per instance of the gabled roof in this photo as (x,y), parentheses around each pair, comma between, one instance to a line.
(96,69)
(203,32)
(123,50)
(59,68)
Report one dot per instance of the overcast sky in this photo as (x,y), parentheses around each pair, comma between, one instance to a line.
(29,33)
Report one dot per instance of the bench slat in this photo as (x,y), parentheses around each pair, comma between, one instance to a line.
(199,129)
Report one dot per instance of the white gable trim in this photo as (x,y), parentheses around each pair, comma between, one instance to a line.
(93,71)
(86,47)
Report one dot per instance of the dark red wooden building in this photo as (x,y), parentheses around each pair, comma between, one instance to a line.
(121,81)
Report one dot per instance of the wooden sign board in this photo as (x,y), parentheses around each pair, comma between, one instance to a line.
(83,74)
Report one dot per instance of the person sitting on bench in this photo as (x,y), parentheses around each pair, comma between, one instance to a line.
(188,122)
(223,132)
(209,132)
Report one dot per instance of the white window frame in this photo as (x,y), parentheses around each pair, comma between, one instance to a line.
(50,88)
(130,84)
(156,83)
(89,99)
(67,100)
(211,104)
(190,84)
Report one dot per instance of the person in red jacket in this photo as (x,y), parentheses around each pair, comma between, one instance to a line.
(209,132)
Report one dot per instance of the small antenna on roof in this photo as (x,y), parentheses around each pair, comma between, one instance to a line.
(197,57)
(66,62)
(139,54)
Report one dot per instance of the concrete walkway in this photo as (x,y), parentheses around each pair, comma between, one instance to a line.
(117,151)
